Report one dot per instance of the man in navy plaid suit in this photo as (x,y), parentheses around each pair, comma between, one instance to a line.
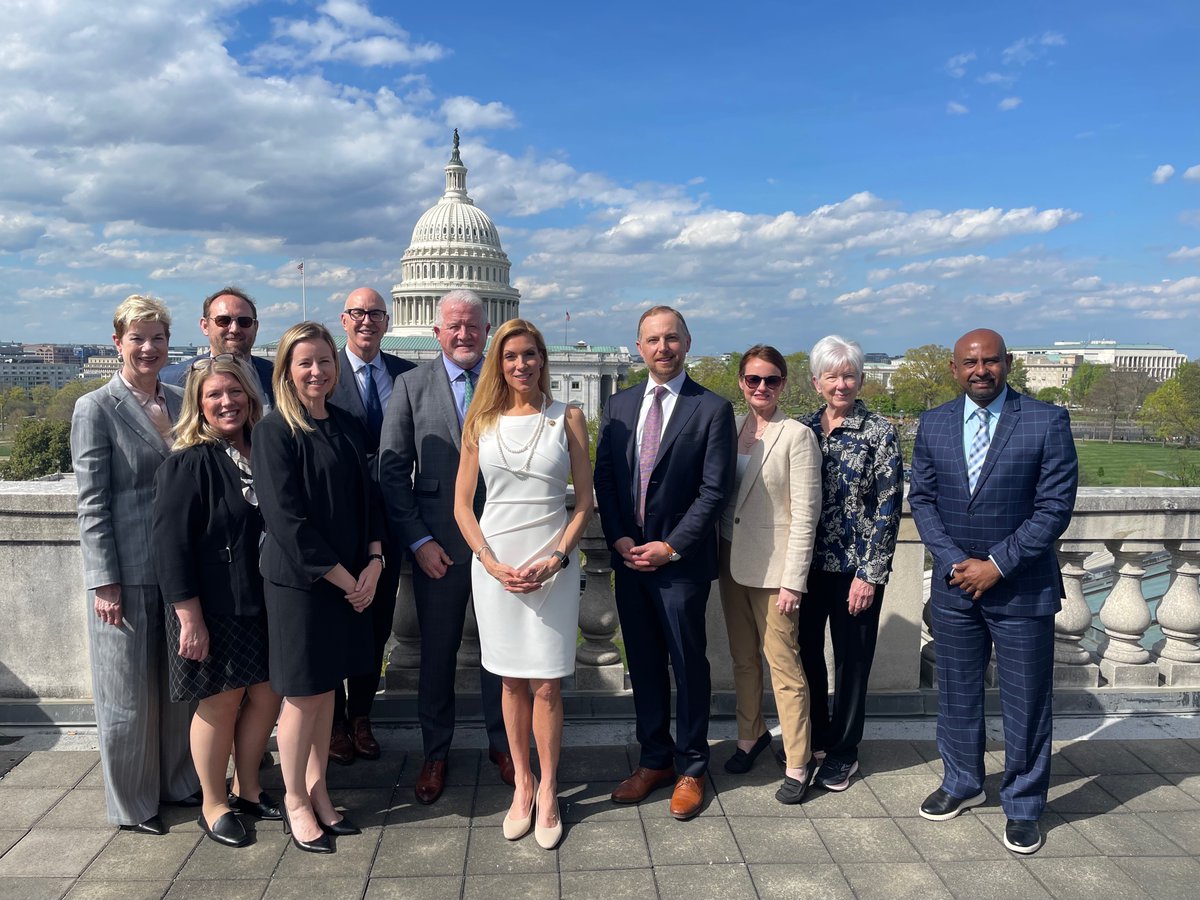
(994,476)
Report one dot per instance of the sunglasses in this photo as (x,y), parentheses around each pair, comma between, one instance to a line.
(207,362)
(772,382)
(225,321)
(375,315)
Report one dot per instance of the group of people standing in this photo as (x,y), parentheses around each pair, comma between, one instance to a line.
(243,532)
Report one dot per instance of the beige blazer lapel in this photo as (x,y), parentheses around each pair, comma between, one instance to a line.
(758,455)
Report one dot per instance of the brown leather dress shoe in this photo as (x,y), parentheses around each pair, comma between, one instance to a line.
(431,782)
(341,748)
(688,796)
(504,761)
(638,786)
(365,744)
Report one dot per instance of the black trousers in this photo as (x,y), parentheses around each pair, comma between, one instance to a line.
(354,699)
(837,725)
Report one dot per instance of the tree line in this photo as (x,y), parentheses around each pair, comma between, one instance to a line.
(38,424)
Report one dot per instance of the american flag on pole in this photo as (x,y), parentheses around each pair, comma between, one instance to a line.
(300,267)
(568,315)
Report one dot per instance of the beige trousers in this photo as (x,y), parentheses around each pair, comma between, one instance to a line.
(757,628)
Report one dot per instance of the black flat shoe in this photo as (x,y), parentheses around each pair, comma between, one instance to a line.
(196,799)
(227,830)
(742,760)
(793,789)
(341,828)
(153,825)
(263,808)
(319,845)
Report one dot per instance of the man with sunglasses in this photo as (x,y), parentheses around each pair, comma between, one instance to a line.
(230,322)
(365,378)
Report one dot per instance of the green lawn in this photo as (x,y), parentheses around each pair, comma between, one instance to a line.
(1133,465)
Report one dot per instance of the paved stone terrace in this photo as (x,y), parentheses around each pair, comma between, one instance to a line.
(1124,821)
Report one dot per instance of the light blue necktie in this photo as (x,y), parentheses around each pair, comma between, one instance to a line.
(979,448)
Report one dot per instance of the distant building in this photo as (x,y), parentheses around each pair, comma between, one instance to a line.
(105,366)
(1052,365)
(67,354)
(31,372)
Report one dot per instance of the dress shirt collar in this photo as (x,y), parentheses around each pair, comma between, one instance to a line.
(454,370)
(674,385)
(994,408)
(143,398)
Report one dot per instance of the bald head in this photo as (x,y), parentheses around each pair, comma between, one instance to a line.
(365,319)
(980,364)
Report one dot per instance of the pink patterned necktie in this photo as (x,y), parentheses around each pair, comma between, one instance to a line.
(648,452)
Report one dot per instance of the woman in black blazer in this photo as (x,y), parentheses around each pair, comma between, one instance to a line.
(321,560)
(206,534)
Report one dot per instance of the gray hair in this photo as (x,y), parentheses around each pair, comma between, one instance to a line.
(458,297)
(833,353)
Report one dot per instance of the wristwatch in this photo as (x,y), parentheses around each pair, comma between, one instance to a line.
(563,559)
(674,554)
(378,556)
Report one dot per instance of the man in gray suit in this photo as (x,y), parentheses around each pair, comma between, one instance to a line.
(418,464)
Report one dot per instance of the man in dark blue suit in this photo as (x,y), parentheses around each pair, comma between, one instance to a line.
(994,476)
(364,387)
(664,471)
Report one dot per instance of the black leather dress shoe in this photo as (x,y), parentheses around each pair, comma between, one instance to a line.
(196,799)
(940,806)
(263,808)
(1023,836)
(341,828)
(153,825)
(742,760)
(226,830)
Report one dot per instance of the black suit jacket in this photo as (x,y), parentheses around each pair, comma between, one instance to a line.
(691,482)
(177,374)
(349,397)
(206,535)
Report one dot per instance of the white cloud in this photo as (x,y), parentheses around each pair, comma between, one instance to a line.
(344,31)
(1027,49)
(999,78)
(1191,173)
(1162,174)
(468,113)
(1009,103)
(954,108)
(956,66)
(1185,253)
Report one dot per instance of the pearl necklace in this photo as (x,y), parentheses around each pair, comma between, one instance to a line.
(530,446)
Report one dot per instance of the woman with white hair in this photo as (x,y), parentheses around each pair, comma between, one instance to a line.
(862,490)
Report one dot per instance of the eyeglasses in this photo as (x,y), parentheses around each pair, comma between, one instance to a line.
(375,315)
(207,362)
(771,381)
(225,321)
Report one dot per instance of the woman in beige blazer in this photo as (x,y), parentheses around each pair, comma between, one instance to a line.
(766,549)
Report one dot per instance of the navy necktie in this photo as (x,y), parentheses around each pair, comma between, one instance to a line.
(374,406)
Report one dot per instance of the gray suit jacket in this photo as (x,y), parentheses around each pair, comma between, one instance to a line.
(418,460)
(115,450)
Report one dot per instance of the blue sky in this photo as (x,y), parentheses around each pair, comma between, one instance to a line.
(779,171)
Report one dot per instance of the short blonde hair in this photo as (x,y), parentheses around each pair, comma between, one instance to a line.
(287,401)
(138,308)
(192,428)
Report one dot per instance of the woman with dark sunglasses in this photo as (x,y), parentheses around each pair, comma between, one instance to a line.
(766,548)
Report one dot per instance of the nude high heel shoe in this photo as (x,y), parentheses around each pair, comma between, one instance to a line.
(548,838)
(515,829)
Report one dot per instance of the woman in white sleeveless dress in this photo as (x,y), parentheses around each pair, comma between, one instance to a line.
(524,445)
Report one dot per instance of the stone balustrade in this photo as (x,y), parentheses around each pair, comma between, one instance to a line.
(43,649)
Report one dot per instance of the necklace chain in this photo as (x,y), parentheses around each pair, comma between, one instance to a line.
(531,446)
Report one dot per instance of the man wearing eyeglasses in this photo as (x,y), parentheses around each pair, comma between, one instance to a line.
(230,322)
(364,388)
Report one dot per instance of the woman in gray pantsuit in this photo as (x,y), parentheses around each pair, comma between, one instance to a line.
(119,436)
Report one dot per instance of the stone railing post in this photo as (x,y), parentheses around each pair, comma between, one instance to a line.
(1073,664)
(404,662)
(1179,617)
(1125,617)
(598,662)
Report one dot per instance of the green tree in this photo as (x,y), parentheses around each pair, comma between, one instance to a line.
(41,398)
(1018,377)
(14,403)
(40,447)
(63,404)
(924,379)
(720,377)
(1173,410)
(1054,395)
(1117,395)
(1083,379)
(877,397)
(635,376)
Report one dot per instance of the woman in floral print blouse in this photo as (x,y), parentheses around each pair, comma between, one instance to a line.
(862,490)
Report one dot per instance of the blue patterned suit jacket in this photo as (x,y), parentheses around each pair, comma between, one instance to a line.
(1021,505)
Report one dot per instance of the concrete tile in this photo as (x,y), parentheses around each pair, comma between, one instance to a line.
(245,889)
(23,806)
(421,852)
(491,804)
(54,853)
(1062,838)
(591,802)
(865,840)
(10,759)
(603,845)
(33,888)
(729,882)
(1164,878)
(1146,793)
(1060,765)
(754,795)
(902,795)
(1098,757)
(699,841)
(1124,834)
(1084,879)
(611,884)
(490,854)
(118,890)
(764,840)
(989,880)
(131,857)
(462,768)
(366,807)
(1183,828)
(93,780)
(430,888)
(1166,757)
(78,809)
(891,758)
(256,860)
(452,809)
(800,882)
(1070,795)
(52,768)
(308,888)
(590,764)
(9,836)
(1189,784)
(890,880)
(957,839)
(856,802)
(365,773)
(511,887)
(353,858)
